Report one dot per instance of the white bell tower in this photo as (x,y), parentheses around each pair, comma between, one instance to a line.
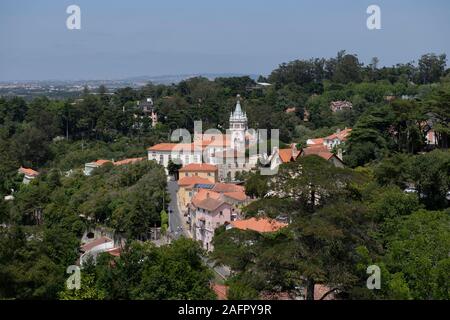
(238,127)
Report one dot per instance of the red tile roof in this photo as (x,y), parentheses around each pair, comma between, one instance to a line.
(321,151)
(204,194)
(100,162)
(237,195)
(221,291)
(227,187)
(341,135)
(128,161)
(210,204)
(200,167)
(28,172)
(168,147)
(318,141)
(286,155)
(115,252)
(259,225)
(88,246)
(189,181)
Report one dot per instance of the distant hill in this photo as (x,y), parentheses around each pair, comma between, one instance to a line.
(168,79)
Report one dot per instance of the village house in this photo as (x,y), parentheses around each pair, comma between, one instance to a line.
(191,175)
(336,106)
(261,225)
(190,186)
(211,206)
(323,152)
(93,248)
(208,211)
(147,107)
(202,170)
(284,155)
(331,141)
(28,174)
(128,161)
(91,166)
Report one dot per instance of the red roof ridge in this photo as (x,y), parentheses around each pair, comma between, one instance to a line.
(199,167)
(28,171)
(259,224)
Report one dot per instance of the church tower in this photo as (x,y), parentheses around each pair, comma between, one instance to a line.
(238,127)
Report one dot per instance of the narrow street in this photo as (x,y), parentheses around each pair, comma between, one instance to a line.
(177,222)
(178,228)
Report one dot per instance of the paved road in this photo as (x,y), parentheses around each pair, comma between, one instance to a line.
(178,227)
(177,224)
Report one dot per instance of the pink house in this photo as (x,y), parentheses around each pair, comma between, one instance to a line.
(208,211)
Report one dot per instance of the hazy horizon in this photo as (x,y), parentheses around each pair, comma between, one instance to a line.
(123,39)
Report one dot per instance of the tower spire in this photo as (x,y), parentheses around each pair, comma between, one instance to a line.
(238,110)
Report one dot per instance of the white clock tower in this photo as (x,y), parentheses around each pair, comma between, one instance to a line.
(238,127)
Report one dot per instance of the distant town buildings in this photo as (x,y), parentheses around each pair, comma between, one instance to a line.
(147,107)
(226,151)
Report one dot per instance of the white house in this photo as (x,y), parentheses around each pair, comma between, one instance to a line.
(28,174)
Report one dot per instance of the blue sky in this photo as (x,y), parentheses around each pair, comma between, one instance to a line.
(121,39)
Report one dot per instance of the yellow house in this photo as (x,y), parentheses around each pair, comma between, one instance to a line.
(192,174)
(186,189)
(202,170)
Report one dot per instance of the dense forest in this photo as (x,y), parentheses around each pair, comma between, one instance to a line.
(364,216)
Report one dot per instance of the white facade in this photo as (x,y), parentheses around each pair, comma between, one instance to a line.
(184,157)
(238,127)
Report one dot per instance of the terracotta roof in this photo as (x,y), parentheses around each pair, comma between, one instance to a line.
(188,181)
(220,290)
(115,252)
(227,187)
(341,135)
(163,147)
(88,246)
(285,155)
(210,204)
(28,172)
(237,195)
(167,147)
(259,225)
(321,151)
(229,190)
(128,161)
(318,141)
(201,167)
(204,194)
(99,162)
